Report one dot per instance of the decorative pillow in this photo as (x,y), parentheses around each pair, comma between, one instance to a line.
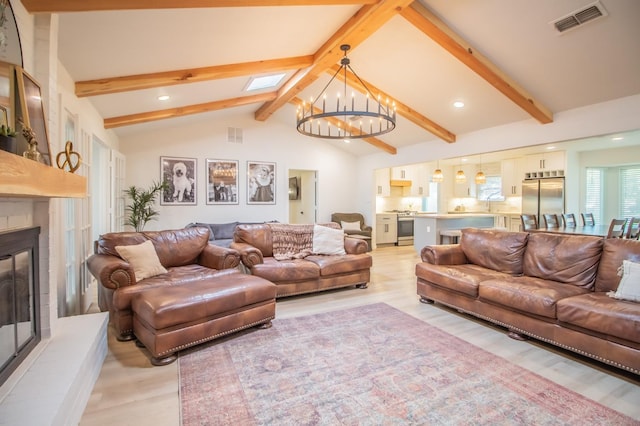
(143,259)
(350,226)
(328,241)
(629,287)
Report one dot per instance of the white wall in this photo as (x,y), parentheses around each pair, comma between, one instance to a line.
(275,140)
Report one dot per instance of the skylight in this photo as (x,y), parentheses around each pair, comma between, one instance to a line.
(264,82)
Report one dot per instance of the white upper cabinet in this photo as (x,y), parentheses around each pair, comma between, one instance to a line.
(544,162)
(383,185)
(468,188)
(512,175)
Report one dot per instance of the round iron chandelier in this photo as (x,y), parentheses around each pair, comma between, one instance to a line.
(354,119)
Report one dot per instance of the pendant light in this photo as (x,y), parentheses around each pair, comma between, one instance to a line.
(437,174)
(480,177)
(460,176)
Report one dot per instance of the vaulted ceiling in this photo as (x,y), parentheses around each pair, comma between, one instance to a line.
(503,58)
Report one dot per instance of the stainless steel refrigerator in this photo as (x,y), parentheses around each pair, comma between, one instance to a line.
(540,196)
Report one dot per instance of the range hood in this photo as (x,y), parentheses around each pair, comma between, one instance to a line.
(400,183)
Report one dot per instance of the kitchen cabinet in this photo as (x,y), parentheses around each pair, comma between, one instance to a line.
(515,223)
(400,173)
(386,228)
(512,175)
(419,175)
(383,183)
(544,162)
(468,188)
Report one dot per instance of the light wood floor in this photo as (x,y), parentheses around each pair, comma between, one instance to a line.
(131,391)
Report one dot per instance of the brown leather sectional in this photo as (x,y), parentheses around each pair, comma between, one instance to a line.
(185,253)
(298,276)
(551,287)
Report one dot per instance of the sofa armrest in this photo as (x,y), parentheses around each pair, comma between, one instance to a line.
(218,257)
(249,254)
(355,245)
(111,271)
(448,254)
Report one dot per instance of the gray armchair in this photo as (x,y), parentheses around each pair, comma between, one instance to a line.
(350,218)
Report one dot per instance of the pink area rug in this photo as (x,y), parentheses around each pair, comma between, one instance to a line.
(371,365)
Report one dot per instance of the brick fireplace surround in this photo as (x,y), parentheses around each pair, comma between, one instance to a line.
(53,384)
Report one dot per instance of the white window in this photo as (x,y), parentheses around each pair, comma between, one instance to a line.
(629,192)
(593,193)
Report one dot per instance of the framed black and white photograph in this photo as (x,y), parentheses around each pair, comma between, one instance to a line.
(222,181)
(181,174)
(261,183)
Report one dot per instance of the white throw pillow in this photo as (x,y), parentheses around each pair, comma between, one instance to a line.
(328,240)
(350,226)
(629,287)
(143,259)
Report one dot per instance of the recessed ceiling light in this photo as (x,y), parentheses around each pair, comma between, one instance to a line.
(347,141)
(264,82)
(617,138)
(458,104)
(163,98)
(551,147)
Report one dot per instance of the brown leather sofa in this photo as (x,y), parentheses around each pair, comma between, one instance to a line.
(301,275)
(551,287)
(185,253)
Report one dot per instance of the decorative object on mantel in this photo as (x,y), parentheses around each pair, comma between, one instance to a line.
(347,119)
(141,211)
(32,152)
(8,140)
(69,156)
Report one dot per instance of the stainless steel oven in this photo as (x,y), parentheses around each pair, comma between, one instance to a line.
(405,229)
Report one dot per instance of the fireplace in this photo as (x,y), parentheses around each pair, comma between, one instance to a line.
(20,329)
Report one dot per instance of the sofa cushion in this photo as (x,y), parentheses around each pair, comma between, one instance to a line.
(461,278)
(614,252)
(527,294)
(602,314)
(143,259)
(286,270)
(203,225)
(328,241)
(223,231)
(181,275)
(493,249)
(570,259)
(629,287)
(332,265)
(350,226)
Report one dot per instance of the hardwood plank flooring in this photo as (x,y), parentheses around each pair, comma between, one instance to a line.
(131,391)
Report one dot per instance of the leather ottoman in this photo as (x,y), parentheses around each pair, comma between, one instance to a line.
(169,319)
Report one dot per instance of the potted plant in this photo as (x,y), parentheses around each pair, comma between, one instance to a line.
(141,210)
(8,139)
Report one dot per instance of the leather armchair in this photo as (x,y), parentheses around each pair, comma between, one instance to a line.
(365,230)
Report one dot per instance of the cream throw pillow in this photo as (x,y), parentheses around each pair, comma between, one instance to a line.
(328,241)
(350,226)
(629,287)
(143,259)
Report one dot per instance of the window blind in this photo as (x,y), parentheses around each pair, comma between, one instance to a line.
(629,192)
(593,198)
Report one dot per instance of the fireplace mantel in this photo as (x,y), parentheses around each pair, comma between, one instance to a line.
(21,177)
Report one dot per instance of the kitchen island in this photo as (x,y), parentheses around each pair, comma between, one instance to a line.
(427,227)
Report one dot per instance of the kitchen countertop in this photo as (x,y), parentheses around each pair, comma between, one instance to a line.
(454,215)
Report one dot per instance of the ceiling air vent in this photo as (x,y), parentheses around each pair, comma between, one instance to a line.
(234,135)
(579,17)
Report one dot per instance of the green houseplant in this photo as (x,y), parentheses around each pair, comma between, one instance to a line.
(141,210)
(8,139)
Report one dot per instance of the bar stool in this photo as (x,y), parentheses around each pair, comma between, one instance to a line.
(453,235)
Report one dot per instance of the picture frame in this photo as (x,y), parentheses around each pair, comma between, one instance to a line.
(32,114)
(181,175)
(222,181)
(261,182)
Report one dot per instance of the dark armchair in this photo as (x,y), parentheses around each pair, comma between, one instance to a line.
(347,223)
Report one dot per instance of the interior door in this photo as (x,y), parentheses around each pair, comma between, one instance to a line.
(304,209)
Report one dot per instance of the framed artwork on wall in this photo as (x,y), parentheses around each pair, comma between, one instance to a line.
(31,113)
(261,182)
(222,181)
(181,174)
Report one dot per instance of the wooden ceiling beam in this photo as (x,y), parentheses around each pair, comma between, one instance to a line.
(144,117)
(402,109)
(361,25)
(104,86)
(339,123)
(57,6)
(438,31)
